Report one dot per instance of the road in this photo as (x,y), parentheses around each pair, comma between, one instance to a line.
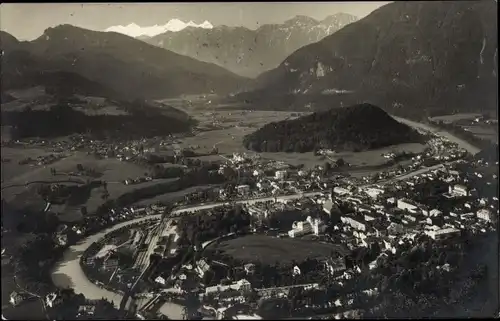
(249,202)
(74,276)
(68,272)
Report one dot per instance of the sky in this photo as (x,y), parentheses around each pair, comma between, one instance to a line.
(36,17)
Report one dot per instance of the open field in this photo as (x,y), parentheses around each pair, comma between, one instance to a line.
(113,172)
(172,197)
(484,131)
(481,130)
(269,250)
(230,140)
(366,158)
(12,169)
(455,117)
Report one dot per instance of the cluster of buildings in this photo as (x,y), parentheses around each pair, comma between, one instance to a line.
(389,214)
(310,225)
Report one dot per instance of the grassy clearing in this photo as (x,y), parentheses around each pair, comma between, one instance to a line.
(484,132)
(455,117)
(12,169)
(270,250)
(367,158)
(230,140)
(172,197)
(113,171)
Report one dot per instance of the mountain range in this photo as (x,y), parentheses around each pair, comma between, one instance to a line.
(249,52)
(121,63)
(412,58)
(134,30)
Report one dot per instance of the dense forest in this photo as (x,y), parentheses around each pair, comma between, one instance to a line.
(357,128)
(61,120)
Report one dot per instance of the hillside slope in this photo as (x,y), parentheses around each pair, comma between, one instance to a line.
(355,128)
(250,52)
(129,66)
(42,102)
(431,55)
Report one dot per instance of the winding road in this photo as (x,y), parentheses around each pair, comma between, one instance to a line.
(68,272)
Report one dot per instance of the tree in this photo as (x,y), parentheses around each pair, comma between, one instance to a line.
(79,167)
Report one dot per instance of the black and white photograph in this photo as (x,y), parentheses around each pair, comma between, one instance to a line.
(249,160)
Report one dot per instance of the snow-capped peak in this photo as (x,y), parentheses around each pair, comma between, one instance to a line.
(135,30)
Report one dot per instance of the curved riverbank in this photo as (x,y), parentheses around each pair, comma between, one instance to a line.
(465,145)
(68,273)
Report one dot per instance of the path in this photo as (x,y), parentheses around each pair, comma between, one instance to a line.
(44,182)
(68,272)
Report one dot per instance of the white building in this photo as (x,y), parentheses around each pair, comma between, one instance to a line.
(243,189)
(316,225)
(247,317)
(296,271)
(354,223)
(281,175)
(395,228)
(335,265)
(374,192)
(485,214)
(52,300)
(442,233)
(16,298)
(202,267)
(258,173)
(237,158)
(300,228)
(404,204)
(459,190)
(341,191)
(241,285)
(250,268)
(257,211)
(160,280)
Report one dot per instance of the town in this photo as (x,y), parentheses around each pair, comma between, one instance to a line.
(284,242)
(282,161)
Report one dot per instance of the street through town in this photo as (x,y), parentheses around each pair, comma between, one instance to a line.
(68,273)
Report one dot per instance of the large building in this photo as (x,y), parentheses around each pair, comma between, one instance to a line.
(300,228)
(243,189)
(281,175)
(459,190)
(340,191)
(442,233)
(404,204)
(485,214)
(356,223)
(241,285)
(374,192)
(335,265)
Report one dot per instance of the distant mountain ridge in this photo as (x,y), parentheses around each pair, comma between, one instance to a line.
(250,52)
(82,76)
(174,25)
(412,57)
(126,65)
